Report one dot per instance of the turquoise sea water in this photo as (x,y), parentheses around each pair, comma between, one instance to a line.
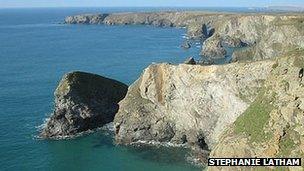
(35,51)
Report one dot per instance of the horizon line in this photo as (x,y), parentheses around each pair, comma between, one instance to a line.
(29,7)
(144,6)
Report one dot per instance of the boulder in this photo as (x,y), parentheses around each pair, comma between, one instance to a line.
(190,61)
(186,45)
(83,102)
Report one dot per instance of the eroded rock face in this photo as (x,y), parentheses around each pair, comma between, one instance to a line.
(273,124)
(86,19)
(233,42)
(83,101)
(199,31)
(189,104)
(213,49)
(267,35)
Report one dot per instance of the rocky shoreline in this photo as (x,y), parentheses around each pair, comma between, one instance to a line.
(252,107)
(83,102)
(265,36)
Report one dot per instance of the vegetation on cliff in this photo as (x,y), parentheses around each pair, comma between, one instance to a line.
(272,126)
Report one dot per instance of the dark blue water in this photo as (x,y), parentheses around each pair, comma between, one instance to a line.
(35,52)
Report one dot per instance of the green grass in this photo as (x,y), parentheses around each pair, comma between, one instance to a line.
(254,119)
(275,65)
(286,143)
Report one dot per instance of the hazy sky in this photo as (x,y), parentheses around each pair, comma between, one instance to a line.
(167,3)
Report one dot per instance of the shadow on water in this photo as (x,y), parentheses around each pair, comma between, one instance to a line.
(103,139)
(160,154)
(152,153)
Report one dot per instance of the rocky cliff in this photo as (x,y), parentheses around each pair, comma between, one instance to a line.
(250,108)
(273,125)
(83,102)
(257,36)
(189,104)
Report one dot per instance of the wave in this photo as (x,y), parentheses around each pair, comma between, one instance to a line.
(108,128)
(157,143)
(194,160)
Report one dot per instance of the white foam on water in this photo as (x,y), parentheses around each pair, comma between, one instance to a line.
(194,161)
(157,143)
(107,127)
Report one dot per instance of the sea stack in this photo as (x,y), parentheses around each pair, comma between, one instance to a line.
(83,101)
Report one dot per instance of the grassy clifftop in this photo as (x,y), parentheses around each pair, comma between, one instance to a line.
(273,125)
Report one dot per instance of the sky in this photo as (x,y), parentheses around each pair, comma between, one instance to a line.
(148,3)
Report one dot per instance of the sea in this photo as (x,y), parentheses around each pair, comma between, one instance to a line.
(36,50)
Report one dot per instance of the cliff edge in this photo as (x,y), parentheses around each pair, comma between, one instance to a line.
(273,125)
(187,104)
(251,36)
(83,101)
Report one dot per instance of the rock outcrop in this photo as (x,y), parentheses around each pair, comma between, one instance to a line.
(190,61)
(250,108)
(83,102)
(213,49)
(189,104)
(232,42)
(86,19)
(273,125)
(186,45)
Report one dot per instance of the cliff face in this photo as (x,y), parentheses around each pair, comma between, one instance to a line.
(252,108)
(262,36)
(83,101)
(187,103)
(272,126)
(266,36)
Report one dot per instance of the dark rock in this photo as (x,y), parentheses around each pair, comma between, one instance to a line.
(201,32)
(206,62)
(211,32)
(83,102)
(190,61)
(86,19)
(186,45)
